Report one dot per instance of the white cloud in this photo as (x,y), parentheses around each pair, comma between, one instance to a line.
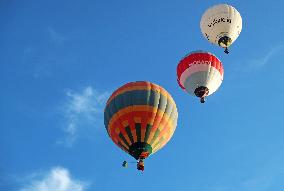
(81,110)
(55,36)
(262,61)
(57,179)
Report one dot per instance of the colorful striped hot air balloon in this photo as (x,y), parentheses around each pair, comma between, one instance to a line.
(200,73)
(140,118)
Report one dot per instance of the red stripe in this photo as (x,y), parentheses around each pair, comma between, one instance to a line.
(199,56)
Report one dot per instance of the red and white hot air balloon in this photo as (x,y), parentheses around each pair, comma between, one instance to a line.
(200,74)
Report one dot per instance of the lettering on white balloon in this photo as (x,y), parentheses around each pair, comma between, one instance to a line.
(220,20)
(199,62)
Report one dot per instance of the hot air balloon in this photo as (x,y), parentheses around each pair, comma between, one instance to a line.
(200,74)
(221,25)
(140,118)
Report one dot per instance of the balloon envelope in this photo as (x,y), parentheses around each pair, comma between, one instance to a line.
(221,25)
(200,69)
(140,118)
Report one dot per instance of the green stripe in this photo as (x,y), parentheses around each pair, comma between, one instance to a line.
(155,136)
(121,145)
(128,131)
(123,139)
(147,133)
(138,131)
(159,142)
(137,97)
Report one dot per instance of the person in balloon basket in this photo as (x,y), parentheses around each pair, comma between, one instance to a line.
(140,165)
(202,98)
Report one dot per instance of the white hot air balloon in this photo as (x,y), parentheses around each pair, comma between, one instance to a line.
(221,25)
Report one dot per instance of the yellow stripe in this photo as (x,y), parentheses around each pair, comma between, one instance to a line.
(163,143)
(161,127)
(165,120)
(166,137)
(155,148)
(157,143)
(166,133)
(155,112)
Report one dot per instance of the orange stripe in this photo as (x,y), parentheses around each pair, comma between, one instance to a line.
(138,108)
(169,127)
(162,122)
(131,84)
(163,92)
(167,137)
(154,128)
(162,127)
(143,125)
(166,134)
(132,127)
(165,125)
(129,118)
(157,138)
(115,135)
(140,86)
(152,116)
(112,128)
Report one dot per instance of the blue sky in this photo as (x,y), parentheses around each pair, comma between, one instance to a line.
(60,60)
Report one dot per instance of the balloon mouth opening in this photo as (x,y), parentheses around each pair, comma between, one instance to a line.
(201,91)
(140,150)
(225,41)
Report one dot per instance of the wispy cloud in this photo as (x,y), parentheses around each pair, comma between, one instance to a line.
(57,179)
(82,109)
(264,60)
(266,176)
(55,36)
